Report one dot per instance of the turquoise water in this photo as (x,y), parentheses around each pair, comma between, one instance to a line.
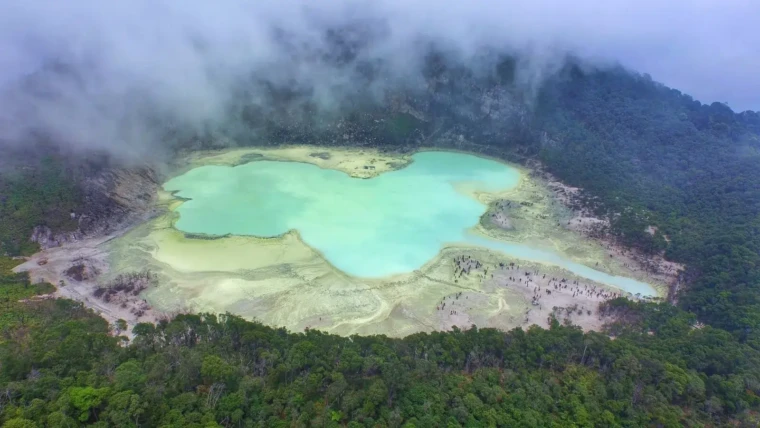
(393,223)
(523,251)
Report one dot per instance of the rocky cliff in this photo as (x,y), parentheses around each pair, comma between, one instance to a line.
(114,198)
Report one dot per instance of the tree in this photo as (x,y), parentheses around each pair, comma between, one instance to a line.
(214,369)
(87,400)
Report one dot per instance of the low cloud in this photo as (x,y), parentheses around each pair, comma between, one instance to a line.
(119,68)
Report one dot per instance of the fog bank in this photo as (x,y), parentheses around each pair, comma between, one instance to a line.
(118,72)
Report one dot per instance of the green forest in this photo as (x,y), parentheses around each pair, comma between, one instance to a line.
(645,155)
(43,192)
(650,155)
(62,367)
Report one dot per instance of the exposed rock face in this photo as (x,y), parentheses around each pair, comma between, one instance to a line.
(46,238)
(114,199)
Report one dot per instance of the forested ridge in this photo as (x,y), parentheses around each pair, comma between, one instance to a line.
(645,155)
(651,155)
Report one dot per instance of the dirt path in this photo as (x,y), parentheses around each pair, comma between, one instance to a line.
(51,266)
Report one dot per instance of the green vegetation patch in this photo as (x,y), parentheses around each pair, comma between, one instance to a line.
(15,291)
(207,370)
(40,195)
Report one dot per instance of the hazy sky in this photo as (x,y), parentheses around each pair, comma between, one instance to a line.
(181,56)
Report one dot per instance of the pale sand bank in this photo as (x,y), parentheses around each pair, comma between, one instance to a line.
(227,254)
(359,163)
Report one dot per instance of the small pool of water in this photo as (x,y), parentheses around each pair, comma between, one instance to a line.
(390,224)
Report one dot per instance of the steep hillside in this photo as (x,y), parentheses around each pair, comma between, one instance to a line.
(655,157)
(47,197)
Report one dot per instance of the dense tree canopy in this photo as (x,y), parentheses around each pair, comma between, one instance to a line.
(42,193)
(60,366)
(653,156)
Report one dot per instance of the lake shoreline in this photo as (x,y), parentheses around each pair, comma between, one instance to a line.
(395,307)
